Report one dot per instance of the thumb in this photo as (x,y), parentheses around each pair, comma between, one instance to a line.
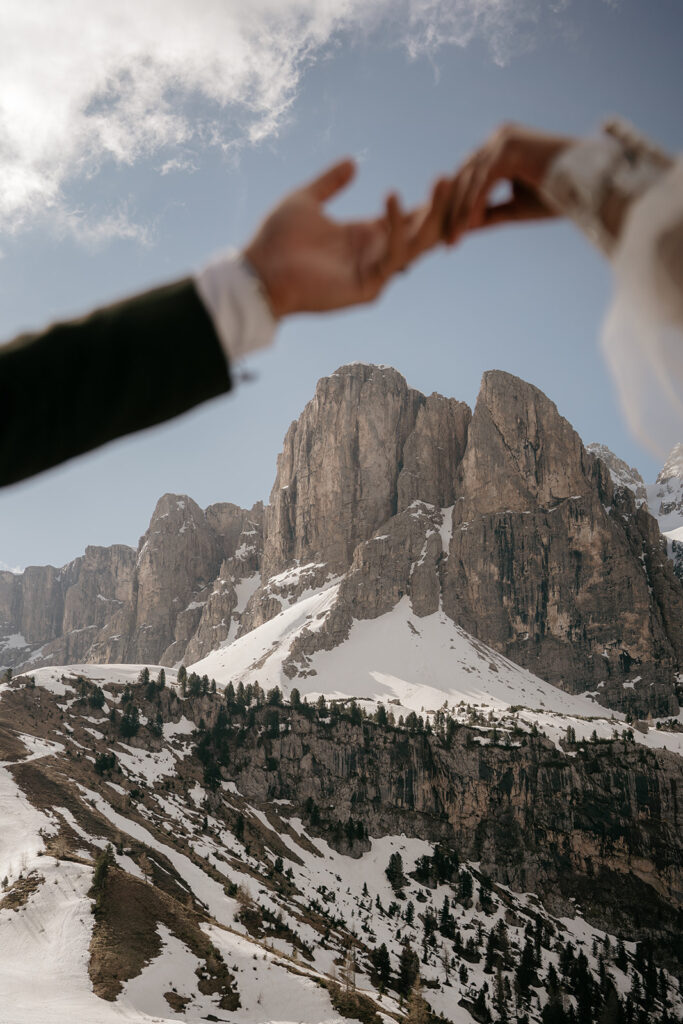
(331,181)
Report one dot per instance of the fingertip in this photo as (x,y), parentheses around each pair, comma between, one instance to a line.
(348,167)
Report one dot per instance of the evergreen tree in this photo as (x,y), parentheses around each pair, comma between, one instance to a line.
(96,698)
(104,861)
(161,679)
(612,1011)
(130,722)
(621,960)
(465,885)
(446,926)
(490,952)
(295,698)
(394,872)
(480,1008)
(525,974)
(408,969)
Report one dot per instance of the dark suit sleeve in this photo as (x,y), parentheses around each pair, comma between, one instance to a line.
(80,384)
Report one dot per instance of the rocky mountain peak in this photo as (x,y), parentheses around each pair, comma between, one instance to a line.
(364,446)
(520,451)
(673,467)
(621,473)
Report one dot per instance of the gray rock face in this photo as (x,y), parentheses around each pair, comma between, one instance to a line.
(115,604)
(337,476)
(502,519)
(545,558)
(621,473)
(432,451)
(541,556)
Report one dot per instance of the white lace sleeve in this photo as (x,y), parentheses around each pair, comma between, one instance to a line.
(627,196)
(643,331)
(594,181)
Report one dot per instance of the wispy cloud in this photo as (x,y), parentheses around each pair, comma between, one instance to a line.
(82,84)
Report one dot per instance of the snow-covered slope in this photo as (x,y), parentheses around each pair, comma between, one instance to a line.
(416,664)
(665,496)
(292,919)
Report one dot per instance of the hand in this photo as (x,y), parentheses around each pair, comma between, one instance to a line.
(515,154)
(309,262)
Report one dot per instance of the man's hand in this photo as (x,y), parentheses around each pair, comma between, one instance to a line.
(311,263)
(518,155)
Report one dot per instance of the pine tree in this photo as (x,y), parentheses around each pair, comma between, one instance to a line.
(161,679)
(130,721)
(103,863)
(394,872)
(381,966)
(408,969)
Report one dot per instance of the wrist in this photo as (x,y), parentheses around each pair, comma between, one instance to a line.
(258,265)
(235,300)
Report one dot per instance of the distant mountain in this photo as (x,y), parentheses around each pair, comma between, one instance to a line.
(422,759)
(499,521)
(621,473)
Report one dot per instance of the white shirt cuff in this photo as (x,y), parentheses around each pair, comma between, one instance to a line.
(235,300)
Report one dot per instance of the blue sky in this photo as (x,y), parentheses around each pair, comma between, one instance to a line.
(121,177)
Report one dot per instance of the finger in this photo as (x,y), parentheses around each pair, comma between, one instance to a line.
(425,226)
(462,202)
(525,208)
(462,197)
(331,181)
(395,254)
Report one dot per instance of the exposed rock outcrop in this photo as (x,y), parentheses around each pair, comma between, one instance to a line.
(115,604)
(621,473)
(337,476)
(540,556)
(535,545)
(550,563)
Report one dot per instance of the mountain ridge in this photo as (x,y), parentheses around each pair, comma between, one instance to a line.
(371,458)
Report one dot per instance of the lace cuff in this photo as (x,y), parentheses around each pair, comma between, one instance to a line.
(595,181)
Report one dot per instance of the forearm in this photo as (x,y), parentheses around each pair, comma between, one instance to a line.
(129,366)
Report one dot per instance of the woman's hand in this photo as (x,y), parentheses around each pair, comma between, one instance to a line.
(514,154)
